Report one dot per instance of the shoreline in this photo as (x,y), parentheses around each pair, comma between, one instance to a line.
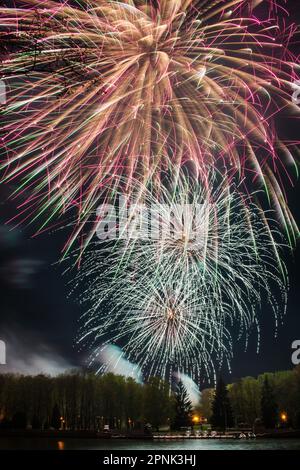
(135,436)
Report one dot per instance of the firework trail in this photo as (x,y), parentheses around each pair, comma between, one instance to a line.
(100,91)
(172,297)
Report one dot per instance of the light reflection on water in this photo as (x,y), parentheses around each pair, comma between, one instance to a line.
(97,444)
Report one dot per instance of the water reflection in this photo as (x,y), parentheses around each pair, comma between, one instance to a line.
(61,445)
(97,444)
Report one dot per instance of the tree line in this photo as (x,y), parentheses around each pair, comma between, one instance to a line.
(273,399)
(84,401)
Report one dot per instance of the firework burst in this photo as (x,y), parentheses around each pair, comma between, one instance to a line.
(172,296)
(162,328)
(103,88)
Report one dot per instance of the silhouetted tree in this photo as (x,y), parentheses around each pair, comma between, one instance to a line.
(221,409)
(55,420)
(19,420)
(35,423)
(245,398)
(157,402)
(133,403)
(269,407)
(183,407)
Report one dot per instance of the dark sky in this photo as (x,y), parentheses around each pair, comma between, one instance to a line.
(37,314)
(38,318)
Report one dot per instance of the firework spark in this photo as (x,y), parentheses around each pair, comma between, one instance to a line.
(103,90)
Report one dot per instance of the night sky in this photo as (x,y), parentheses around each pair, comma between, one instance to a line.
(39,320)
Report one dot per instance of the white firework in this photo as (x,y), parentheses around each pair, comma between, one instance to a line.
(174,300)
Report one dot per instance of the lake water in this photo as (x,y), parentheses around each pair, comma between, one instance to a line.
(96,444)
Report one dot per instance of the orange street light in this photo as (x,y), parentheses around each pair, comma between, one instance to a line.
(196,419)
(283,417)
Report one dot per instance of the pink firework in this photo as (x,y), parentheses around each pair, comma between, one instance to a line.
(103,92)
